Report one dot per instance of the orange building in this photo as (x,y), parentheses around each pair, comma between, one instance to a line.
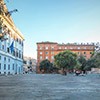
(47,50)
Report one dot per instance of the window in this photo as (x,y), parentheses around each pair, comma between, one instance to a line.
(22,43)
(79,53)
(0,66)
(14,53)
(84,47)
(17,39)
(4,58)
(8,50)
(52,52)
(52,57)
(46,57)
(13,67)
(46,52)
(8,67)
(84,52)
(52,48)
(65,47)
(3,47)
(19,55)
(40,57)
(8,59)
(40,48)
(78,47)
(40,52)
(4,66)
(59,47)
(0,57)
(71,48)
(46,48)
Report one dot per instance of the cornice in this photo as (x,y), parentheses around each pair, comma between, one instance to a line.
(12,25)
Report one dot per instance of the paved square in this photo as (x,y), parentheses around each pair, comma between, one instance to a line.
(50,87)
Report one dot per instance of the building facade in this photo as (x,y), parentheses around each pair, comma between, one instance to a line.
(11,44)
(29,64)
(47,50)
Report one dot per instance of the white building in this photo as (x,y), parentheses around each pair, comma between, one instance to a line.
(11,58)
(29,64)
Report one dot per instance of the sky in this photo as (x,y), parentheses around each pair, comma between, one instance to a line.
(62,21)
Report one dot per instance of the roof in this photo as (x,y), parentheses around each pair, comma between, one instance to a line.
(76,44)
(47,42)
(68,44)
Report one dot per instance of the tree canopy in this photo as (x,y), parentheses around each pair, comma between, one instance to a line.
(46,66)
(82,61)
(65,60)
(93,62)
(97,60)
(90,64)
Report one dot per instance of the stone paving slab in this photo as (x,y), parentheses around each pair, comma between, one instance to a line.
(50,87)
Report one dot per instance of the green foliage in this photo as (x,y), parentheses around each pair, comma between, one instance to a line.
(46,65)
(92,54)
(97,60)
(77,66)
(90,64)
(82,62)
(66,59)
(93,62)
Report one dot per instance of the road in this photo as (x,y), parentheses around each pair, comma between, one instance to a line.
(50,87)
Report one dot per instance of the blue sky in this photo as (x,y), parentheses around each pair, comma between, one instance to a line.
(59,21)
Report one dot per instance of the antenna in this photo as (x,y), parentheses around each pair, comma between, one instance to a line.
(10,12)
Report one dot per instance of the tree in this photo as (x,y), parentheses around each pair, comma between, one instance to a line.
(46,66)
(82,62)
(65,60)
(93,62)
(90,64)
(97,59)
(77,66)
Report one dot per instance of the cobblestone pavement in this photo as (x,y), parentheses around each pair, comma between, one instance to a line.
(50,87)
